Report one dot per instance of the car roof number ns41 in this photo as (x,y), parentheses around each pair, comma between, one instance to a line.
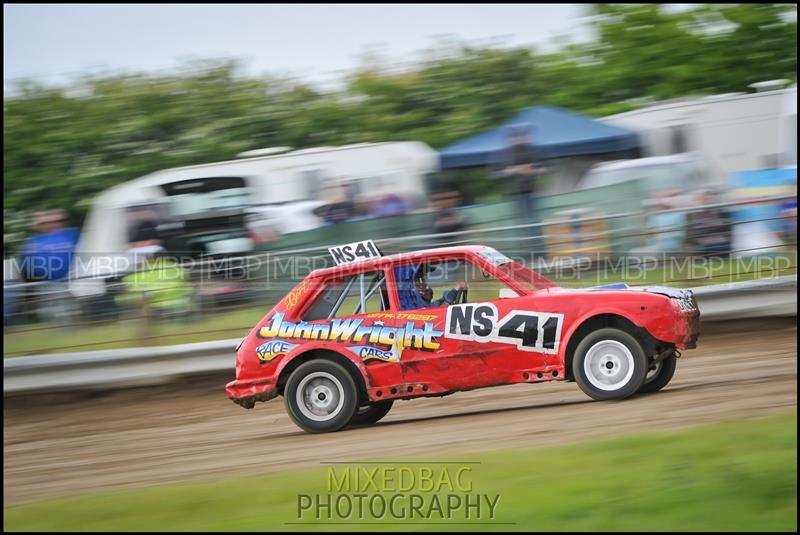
(353,252)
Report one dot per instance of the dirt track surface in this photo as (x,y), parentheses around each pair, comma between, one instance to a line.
(148,436)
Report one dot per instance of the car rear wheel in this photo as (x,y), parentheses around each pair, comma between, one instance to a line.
(321,396)
(371,412)
(609,364)
(660,375)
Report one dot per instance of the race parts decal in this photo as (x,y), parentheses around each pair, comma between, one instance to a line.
(529,331)
(274,348)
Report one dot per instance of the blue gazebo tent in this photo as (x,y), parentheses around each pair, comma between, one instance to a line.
(554,133)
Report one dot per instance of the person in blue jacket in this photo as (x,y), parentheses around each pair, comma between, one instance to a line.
(47,256)
(46,260)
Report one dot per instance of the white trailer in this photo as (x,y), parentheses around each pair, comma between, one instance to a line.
(730,133)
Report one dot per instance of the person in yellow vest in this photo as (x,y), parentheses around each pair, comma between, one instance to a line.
(158,283)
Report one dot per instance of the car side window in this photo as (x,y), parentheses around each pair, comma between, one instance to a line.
(356,294)
(436,283)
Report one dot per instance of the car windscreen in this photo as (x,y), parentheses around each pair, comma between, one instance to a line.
(524,276)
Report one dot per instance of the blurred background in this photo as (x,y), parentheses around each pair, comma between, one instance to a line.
(603,138)
(170,172)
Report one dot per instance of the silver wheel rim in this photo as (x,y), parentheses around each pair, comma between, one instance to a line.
(320,396)
(653,372)
(608,365)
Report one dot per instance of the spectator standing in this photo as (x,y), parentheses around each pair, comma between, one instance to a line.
(710,229)
(523,169)
(46,260)
(447,218)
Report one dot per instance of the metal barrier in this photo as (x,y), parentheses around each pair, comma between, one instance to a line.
(748,299)
(121,368)
(115,368)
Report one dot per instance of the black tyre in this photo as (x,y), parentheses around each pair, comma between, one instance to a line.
(321,396)
(609,364)
(660,376)
(371,412)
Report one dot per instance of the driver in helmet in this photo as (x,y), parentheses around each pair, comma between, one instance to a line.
(426,292)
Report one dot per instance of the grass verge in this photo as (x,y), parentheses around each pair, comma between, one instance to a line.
(732,476)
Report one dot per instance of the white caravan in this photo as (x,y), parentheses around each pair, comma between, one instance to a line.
(217,198)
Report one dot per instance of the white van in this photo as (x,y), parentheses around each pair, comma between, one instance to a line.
(682,172)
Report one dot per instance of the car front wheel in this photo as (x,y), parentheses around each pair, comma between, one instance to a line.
(609,364)
(321,396)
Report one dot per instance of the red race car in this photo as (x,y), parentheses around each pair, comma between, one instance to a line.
(349,340)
